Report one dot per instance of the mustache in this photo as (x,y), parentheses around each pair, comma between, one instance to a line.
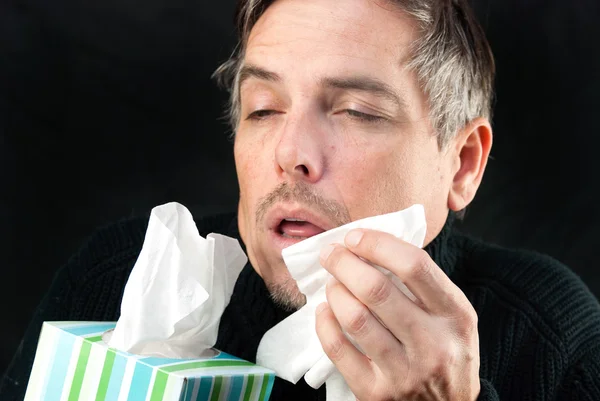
(306,195)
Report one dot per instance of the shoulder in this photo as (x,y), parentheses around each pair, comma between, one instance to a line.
(102,265)
(123,238)
(543,290)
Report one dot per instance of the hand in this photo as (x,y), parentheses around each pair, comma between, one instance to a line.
(422,350)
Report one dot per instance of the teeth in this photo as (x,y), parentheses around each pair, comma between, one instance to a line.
(293,220)
(289,236)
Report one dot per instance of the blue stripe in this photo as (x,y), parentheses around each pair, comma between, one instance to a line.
(89,329)
(235,387)
(58,371)
(189,389)
(140,382)
(205,387)
(116,377)
(224,355)
(270,387)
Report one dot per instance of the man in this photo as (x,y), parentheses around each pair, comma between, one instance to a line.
(348,109)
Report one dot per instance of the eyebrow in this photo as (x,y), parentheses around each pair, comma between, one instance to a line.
(357,83)
(366,84)
(251,71)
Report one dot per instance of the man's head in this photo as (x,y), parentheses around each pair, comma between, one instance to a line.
(347,109)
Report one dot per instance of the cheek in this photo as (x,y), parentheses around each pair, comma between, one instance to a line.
(252,165)
(244,168)
(372,179)
(378,178)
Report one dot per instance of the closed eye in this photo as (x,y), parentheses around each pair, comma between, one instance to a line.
(358,115)
(364,116)
(260,114)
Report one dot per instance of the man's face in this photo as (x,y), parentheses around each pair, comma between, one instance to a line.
(333,128)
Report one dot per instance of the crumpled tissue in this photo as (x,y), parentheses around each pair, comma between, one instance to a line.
(292,348)
(178,289)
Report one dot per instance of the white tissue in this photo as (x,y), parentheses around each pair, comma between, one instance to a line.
(292,348)
(178,288)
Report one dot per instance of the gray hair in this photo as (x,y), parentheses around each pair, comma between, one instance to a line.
(451,58)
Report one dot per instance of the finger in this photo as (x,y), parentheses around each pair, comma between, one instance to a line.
(375,340)
(352,364)
(412,265)
(402,317)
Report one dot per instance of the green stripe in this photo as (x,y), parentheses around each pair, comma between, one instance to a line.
(160,385)
(203,364)
(84,355)
(248,391)
(216,389)
(263,389)
(94,339)
(105,376)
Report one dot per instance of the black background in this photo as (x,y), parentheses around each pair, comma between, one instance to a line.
(107,109)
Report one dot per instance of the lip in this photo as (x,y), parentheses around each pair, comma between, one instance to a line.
(282,211)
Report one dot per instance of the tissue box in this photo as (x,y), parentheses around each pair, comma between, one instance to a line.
(73,363)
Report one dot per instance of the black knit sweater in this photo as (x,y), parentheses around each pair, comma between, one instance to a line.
(539,326)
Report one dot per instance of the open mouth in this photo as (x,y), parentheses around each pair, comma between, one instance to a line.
(298,229)
(290,224)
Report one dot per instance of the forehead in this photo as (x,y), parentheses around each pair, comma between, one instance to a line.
(331,35)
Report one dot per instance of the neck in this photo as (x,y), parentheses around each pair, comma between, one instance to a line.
(439,250)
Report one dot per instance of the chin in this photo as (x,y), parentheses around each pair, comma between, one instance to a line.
(280,284)
(285,293)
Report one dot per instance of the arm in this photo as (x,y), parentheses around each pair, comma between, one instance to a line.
(583,381)
(88,287)
(487,392)
(54,306)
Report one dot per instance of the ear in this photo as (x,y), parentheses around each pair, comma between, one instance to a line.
(470,154)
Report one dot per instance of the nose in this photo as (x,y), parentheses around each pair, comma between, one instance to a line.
(300,152)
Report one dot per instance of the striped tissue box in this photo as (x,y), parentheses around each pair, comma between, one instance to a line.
(73,363)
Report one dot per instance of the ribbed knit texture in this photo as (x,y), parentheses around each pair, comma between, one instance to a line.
(539,326)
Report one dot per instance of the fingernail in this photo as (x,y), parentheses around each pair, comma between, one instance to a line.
(325,252)
(321,308)
(354,237)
